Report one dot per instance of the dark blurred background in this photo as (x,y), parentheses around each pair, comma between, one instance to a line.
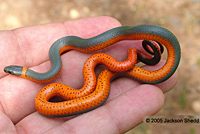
(182,17)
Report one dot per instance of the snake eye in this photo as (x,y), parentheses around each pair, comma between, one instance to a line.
(9,72)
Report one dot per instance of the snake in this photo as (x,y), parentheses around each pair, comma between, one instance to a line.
(95,91)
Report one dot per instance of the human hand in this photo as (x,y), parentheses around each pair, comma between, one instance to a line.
(129,100)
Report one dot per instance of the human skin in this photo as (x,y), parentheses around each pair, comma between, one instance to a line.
(129,100)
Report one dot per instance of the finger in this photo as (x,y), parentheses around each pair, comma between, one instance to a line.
(169,83)
(120,114)
(117,116)
(6,125)
(24,46)
(18,93)
(32,124)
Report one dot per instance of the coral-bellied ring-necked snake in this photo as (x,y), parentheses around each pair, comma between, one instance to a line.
(96,90)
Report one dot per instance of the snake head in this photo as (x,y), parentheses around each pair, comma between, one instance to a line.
(14,70)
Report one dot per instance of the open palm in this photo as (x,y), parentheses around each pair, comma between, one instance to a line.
(129,100)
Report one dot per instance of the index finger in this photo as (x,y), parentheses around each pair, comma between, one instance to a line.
(24,46)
